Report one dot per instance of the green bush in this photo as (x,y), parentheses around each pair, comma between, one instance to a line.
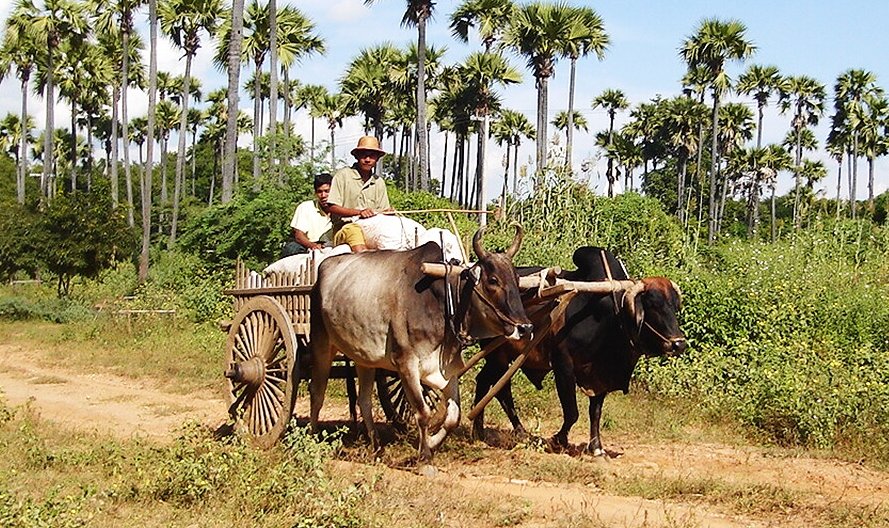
(790,338)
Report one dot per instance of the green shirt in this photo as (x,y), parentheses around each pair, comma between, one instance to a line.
(347,190)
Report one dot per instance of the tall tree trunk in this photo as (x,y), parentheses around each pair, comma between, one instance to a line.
(853,193)
(422,132)
(609,170)
(126,24)
(23,142)
(542,87)
(839,183)
(273,90)
(73,143)
(49,130)
(332,126)
(774,228)
(569,143)
(870,184)
(797,178)
(229,165)
(257,122)
(146,175)
(194,156)
(711,232)
(680,185)
(115,98)
(482,196)
(444,166)
(180,153)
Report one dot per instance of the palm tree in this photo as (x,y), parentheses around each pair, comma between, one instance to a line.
(119,37)
(735,128)
(481,72)
(11,142)
(760,82)
(309,95)
(183,21)
(510,128)
(680,119)
(417,14)
(806,96)
(575,120)
(234,40)
(19,49)
(874,137)
(367,85)
(539,32)
(57,20)
(713,43)
(488,17)
(587,35)
(611,101)
(146,184)
(850,91)
(331,108)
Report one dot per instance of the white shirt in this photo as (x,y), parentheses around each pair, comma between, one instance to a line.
(311,220)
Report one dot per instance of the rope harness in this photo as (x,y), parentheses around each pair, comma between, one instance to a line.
(458,308)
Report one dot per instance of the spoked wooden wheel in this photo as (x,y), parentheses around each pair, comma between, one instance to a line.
(261,370)
(394,403)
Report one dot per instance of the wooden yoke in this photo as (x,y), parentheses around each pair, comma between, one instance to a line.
(437,270)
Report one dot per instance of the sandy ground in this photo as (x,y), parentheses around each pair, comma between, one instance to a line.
(128,408)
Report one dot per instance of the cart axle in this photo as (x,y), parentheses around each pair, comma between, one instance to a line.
(251,372)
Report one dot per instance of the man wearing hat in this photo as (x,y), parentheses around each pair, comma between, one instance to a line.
(357,192)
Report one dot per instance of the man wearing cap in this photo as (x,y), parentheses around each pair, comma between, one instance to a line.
(357,192)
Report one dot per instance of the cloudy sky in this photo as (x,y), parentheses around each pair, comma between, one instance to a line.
(815,37)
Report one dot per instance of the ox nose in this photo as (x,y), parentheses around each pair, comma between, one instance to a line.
(525,329)
(679,346)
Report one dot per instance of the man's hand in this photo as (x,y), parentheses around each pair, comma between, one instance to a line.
(366,213)
(314,245)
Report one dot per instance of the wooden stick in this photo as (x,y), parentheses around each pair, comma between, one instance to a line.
(539,334)
(418,211)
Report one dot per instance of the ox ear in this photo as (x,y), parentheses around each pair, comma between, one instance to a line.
(473,273)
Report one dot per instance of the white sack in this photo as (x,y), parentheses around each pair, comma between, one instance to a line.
(390,232)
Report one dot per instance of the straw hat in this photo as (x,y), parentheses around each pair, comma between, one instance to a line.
(369,143)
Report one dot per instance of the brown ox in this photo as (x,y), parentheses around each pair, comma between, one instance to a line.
(595,345)
(380,310)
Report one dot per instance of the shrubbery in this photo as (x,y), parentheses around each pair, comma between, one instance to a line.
(790,337)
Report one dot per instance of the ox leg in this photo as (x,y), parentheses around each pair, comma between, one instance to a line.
(413,391)
(322,357)
(366,377)
(489,374)
(451,394)
(563,373)
(595,445)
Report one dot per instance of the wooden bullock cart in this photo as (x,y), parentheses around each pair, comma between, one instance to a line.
(267,350)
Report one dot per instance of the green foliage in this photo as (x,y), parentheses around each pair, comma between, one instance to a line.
(80,234)
(565,216)
(791,338)
(20,241)
(183,281)
(252,227)
(56,310)
(194,471)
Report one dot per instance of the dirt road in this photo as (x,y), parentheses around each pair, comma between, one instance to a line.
(126,408)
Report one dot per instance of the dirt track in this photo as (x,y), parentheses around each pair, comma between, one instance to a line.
(126,408)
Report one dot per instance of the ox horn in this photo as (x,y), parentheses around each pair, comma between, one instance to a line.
(630,302)
(516,242)
(480,251)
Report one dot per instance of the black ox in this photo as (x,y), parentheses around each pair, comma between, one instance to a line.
(594,345)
